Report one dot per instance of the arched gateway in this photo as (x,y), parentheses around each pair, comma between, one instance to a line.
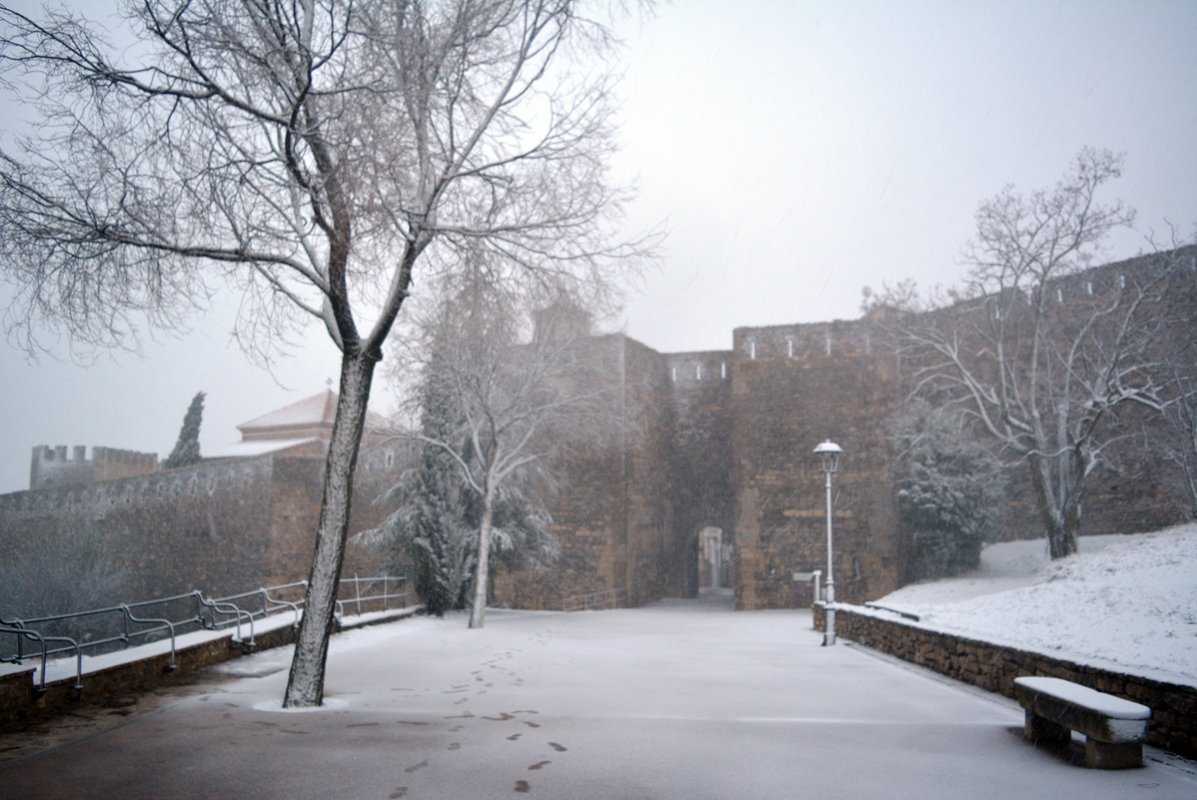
(714,561)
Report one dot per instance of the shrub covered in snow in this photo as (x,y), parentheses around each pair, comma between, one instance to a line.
(949,490)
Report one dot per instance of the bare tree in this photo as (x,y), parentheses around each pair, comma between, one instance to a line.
(1179,440)
(517,403)
(309,154)
(1043,361)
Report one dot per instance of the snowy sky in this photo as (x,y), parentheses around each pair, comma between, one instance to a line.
(795,152)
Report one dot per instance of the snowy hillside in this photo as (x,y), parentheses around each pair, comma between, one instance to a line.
(1125,602)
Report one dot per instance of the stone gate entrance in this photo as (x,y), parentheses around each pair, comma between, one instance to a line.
(714,561)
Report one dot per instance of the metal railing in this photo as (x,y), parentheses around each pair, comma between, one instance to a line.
(372,585)
(191,611)
(903,614)
(593,601)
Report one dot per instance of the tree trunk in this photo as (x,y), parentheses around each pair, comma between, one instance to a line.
(478,611)
(305,686)
(1071,528)
(1061,527)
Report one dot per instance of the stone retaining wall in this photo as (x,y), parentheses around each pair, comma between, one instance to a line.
(21,705)
(994,667)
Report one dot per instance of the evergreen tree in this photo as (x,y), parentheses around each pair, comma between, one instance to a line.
(430,521)
(187,448)
(950,488)
(435,524)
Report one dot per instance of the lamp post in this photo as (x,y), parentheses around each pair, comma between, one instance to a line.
(829,454)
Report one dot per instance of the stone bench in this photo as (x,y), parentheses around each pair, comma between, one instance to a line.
(1114,728)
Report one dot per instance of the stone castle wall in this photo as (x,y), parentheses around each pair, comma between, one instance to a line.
(51,467)
(1135,489)
(648,510)
(700,459)
(723,439)
(223,526)
(788,394)
(718,439)
(202,526)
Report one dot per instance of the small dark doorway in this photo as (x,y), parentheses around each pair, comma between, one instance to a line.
(714,561)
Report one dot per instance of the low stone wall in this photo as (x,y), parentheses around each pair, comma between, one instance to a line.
(21,705)
(994,667)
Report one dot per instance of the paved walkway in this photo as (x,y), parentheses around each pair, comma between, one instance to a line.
(677,700)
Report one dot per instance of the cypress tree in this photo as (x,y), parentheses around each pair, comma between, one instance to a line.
(187,448)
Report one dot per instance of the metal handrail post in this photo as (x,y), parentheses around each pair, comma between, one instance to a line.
(78,669)
(170,627)
(43,673)
(252,641)
(357,592)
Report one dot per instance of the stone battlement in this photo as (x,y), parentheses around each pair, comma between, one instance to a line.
(699,366)
(140,489)
(52,467)
(802,341)
(207,478)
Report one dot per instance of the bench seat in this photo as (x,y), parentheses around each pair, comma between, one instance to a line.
(1114,728)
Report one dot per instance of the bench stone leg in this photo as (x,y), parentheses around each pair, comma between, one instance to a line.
(1038,730)
(1103,755)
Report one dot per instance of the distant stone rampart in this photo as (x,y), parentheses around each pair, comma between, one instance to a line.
(51,467)
(224,524)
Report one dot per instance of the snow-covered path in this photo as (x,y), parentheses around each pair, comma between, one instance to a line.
(676,700)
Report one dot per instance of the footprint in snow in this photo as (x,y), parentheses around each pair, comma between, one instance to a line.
(522,787)
(539,765)
(415,767)
(560,748)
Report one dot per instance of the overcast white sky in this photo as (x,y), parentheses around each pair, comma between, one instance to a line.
(795,151)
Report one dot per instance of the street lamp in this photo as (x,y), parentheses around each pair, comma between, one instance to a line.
(829,454)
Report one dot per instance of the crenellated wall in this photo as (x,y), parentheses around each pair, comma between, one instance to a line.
(225,525)
(792,387)
(51,467)
(717,439)
(590,498)
(648,479)
(700,459)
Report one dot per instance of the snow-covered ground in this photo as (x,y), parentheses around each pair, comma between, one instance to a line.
(1123,602)
(679,699)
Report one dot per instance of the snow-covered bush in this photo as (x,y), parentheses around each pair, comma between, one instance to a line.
(950,490)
